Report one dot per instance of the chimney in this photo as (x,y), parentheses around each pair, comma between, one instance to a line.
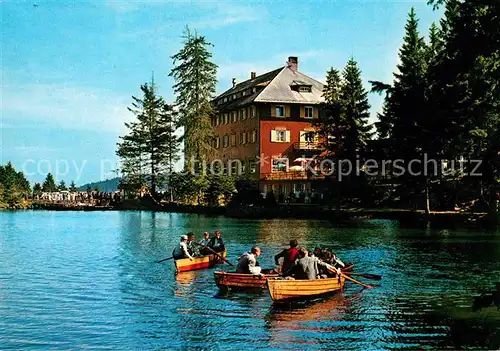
(253,75)
(293,63)
(234,82)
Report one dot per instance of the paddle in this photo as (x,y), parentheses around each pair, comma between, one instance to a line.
(165,259)
(365,275)
(334,270)
(215,253)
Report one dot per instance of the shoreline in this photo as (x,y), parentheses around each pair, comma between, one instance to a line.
(348,216)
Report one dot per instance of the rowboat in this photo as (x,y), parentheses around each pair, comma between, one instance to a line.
(288,289)
(208,261)
(238,281)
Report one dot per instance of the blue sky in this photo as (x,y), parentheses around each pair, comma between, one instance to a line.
(69,69)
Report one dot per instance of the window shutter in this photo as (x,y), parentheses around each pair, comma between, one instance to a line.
(287,136)
(273,136)
(287,110)
(302,112)
(273,111)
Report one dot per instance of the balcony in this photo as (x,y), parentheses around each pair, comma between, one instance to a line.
(297,175)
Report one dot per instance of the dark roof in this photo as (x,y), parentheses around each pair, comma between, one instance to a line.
(250,83)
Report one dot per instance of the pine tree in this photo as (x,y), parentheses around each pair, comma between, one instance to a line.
(62,186)
(72,187)
(172,144)
(14,187)
(150,147)
(195,77)
(327,125)
(49,184)
(356,109)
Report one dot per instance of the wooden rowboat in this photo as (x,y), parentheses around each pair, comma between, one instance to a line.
(284,289)
(185,264)
(239,281)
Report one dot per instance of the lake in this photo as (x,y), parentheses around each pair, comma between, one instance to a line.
(89,280)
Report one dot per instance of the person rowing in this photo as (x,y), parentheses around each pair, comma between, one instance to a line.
(205,242)
(216,243)
(181,250)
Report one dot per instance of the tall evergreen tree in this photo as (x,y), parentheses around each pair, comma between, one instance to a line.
(195,83)
(149,148)
(356,109)
(72,187)
(172,144)
(37,189)
(49,184)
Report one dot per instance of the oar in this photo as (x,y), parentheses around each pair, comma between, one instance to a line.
(165,259)
(215,253)
(333,269)
(365,275)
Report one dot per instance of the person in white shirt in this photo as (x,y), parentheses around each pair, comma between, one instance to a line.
(181,250)
(247,263)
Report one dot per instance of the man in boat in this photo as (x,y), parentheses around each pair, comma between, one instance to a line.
(216,242)
(191,244)
(247,263)
(205,242)
(307,266)
(289,257)
(181,250)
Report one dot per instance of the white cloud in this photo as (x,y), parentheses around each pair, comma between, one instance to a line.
(64,106)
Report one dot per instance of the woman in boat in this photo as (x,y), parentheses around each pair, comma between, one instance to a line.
(289,257)
(247,263)
(181,250)
(216,242)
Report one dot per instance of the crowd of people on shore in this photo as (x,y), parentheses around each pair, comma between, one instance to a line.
(297,262)
(96,198)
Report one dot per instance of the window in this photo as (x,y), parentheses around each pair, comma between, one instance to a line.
(280,111)
(234,96)
(252,165)
(243,114)
(225,99)
(308,112)
(280,136)
(242,138)
(217,142)
(279,164)
(233,116)
(304,89)
(233,139)
(225,141)
(254,90)
(235,166)
(226,118)
(253,112)
(217,121)
(244,92)
(253,138)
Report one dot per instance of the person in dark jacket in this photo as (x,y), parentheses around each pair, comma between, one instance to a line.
(216,243)
(289,257)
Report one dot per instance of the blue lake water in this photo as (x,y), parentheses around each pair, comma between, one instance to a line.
(72,280)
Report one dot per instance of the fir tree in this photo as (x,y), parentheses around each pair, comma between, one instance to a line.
(49,184)
(72,187)
(195,82)
(37,189)
(150,147)
(62,186)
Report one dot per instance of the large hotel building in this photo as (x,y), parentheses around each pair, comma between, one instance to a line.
(266,122)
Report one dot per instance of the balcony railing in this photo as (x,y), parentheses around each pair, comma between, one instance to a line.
(300,175)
